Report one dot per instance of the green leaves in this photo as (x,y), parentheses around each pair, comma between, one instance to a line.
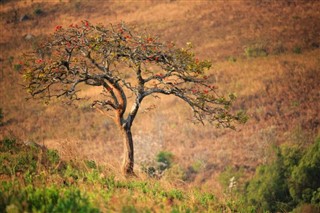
(185,61)
(305,177)
(289,181)
(242,116)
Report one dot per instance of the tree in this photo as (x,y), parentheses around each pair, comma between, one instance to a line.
(124,63)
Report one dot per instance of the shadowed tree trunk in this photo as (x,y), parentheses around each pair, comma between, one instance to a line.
(128,160)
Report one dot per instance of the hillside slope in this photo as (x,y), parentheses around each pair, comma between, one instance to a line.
(267,52)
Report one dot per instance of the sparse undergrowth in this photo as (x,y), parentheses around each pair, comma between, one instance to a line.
(35,179)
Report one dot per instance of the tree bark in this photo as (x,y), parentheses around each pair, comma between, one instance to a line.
(128,160)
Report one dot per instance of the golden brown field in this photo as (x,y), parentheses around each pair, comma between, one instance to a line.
(267,52)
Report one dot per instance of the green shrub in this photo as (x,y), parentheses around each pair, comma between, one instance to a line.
(91,164)
(7,144)
(28,177)
(50,199)
(205,199)
(315,200)
(53,156)
(25,161)
(93,176)
(74,201)
(38,12)
(175,194)
(291,156)
(291,180)
(14,158)
(72,172)
(297,50)
(256,50)
(17,67)
(109,182)
(269,190)
(305,184)
(164,159)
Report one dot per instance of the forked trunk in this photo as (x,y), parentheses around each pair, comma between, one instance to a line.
(128,160)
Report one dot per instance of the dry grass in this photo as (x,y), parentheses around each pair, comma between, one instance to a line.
(280,91)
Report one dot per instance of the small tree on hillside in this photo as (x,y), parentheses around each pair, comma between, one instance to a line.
(125,64)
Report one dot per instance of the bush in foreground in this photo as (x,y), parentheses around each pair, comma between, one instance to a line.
(291,181)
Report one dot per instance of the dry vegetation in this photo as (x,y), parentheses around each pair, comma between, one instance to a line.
(267,52)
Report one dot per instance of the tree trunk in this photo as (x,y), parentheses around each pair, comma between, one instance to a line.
(128,160)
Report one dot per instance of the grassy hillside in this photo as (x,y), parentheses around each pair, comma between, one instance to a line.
(37,180)
(267,52)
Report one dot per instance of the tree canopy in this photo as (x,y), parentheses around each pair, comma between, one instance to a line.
(121,61)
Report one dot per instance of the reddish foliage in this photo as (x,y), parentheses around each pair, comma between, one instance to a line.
(59,27)
(39,61)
